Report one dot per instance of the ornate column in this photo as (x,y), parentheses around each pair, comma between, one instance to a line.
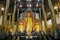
(17,20)
(5,13)
(18,15)
(53,17)
(40,18)
(13,15)
(13,18)
(10,21)
(44,14)
(45,20)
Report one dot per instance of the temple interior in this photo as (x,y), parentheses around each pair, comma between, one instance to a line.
(29,19)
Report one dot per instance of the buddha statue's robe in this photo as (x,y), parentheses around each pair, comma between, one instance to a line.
(29,24)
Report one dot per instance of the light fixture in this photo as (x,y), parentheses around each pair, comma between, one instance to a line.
(37,5)
(20,5)
(55,7)
(29,5)
(2,9)
(48,13)
(31,37)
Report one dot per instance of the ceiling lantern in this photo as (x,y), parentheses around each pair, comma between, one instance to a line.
(29,5)
(20,5)
(37,5)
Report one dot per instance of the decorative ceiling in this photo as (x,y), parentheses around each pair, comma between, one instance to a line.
(33,4)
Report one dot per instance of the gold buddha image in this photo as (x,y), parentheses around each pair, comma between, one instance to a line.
(37,27)
(21,27)
(29,23)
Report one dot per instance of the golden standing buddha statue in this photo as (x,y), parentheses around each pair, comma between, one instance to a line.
(29,23)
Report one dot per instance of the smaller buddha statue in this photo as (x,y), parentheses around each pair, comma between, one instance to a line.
(37,27)
(21,27)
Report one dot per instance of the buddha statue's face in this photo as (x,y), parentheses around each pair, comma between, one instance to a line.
(21,23)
